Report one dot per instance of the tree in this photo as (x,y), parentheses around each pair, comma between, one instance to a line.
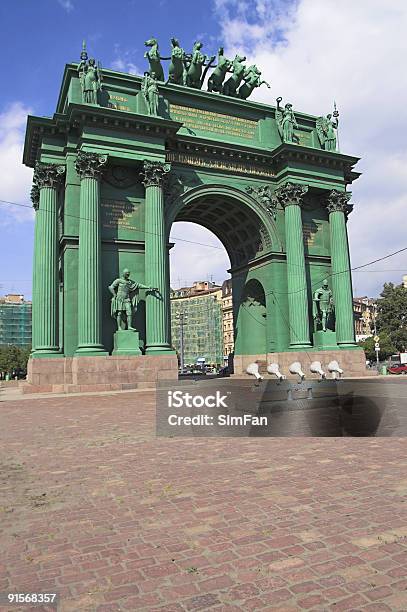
(386,347)
(13,358)
(392,315)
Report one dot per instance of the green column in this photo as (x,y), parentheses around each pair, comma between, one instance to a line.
(156,265)
(338,208)
(290,195)
(45,269)
(89,166)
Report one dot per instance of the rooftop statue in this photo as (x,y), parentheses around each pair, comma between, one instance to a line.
(323,306)
(177,69)
(154,59)
(215,81)
(150,92)
(231,86)
(90,77)
(251,79)
(326,127)
(286,122)
(194,77)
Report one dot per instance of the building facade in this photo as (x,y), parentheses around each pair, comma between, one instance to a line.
(198,310)
(115,167)
(15,320)
(227,320)
(364,312)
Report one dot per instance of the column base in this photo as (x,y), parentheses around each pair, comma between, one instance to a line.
(90,351)
(46,354)
(126,342)
(298,346)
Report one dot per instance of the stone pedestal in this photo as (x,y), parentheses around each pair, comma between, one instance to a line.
(126,342)
(98,373)
(325,340)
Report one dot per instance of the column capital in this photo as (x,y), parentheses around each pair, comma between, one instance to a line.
(154,173)
(291,193)
(90,165)
(338,201)
(45,175)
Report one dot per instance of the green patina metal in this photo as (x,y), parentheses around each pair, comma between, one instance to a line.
(124,157)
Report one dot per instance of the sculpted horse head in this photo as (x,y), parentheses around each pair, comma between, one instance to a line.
(151,42)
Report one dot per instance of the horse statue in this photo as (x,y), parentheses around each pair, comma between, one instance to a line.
(233,82)
(215,81)
(176,69)
(154,59)
(251,79)
(194,77)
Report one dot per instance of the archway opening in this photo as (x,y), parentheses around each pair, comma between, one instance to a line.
(202,324)
(217,239)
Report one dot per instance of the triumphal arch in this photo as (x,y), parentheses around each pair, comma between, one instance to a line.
(123,158)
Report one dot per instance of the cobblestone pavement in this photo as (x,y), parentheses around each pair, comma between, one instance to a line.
(94,507)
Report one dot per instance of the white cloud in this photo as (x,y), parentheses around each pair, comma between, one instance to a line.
(314,51)
(194,262)
(67,5)
(123,61)
(15,179)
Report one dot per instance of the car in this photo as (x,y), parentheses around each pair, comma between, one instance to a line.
(400,368)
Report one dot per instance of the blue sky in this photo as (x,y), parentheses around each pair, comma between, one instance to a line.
(311,51)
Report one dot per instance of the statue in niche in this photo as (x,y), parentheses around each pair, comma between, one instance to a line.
(150,91)
(286,122)
(90,77)
(231,85)
(154,59)
(251,78)
(125,299)
(176,69)
(194,77)
(326,130)
(323,307)
(215,81)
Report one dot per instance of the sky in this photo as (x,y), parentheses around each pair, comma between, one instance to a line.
(311,51)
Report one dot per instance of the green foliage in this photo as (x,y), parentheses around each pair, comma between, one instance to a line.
(13,357)
(386,347)
(392,315)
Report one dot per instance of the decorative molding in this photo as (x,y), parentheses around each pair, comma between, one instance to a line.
(90,165)
(120,176)
(45,175)
(291,193)
(35,195)
(265,197)
(338,201)
(154,173)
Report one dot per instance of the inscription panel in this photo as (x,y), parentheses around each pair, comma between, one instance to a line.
(208,121)
(122,218)
(190,159)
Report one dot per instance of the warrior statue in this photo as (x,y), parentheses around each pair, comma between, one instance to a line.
(125,299)
(233,82)
(323,306)
(251,79)
(326,127)
(90,77)
(215,81)
(150,92)
(154,59)
(176,69)
(286,122)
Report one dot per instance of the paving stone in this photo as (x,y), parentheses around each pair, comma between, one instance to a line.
(97,508)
